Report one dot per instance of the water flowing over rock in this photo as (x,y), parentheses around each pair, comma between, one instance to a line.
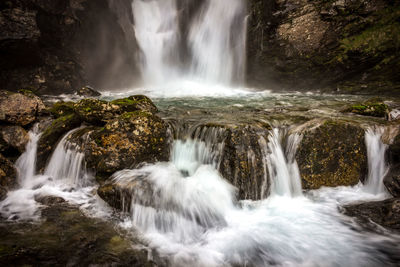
(20,109)
(332,154)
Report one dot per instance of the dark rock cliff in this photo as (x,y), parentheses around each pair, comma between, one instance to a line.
(58,46)
(346,45)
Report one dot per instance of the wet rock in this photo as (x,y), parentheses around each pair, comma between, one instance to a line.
(394,115)
(372,107)
(393,151)
(96,112)
(49,200)
(20,109)
(332,154)
(119,195)
(8,176)
(392,181)
(134,103)
(60,109)
(65,237)
(242,162)
(88,92)
(13,140)
(124,142)
(385,213)
(52,134)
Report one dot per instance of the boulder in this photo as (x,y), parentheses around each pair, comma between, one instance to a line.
(13,140)
(392,181)
(8,176)
(374,107)
(242,161)
(136,102)
(385,213)
(94,111)
(124,142)
(332,154)
(19,109)
(88,92)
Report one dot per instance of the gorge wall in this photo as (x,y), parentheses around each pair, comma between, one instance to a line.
(348,46)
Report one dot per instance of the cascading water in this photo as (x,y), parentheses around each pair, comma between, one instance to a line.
(219,51)
(377,167)
(65,176)
(157,33)
(216,42)
(282,165)
(189,214)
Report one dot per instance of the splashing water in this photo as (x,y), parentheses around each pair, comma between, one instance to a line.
(194,218)
(65,176)
(216,57)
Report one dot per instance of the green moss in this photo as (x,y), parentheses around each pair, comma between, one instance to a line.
(135,114)
(372,107)
(60,109)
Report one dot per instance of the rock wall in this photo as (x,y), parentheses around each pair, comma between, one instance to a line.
(57,46)
(344,45)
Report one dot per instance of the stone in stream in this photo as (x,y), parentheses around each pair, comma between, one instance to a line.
(87,91)
(19,109)
(374,107)
(332,154)
(392,180)
(385,213)
(65,237)
(124,142)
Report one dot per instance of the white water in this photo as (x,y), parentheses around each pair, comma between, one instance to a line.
(216,42)
(377,167)
(194,219)
(65,176)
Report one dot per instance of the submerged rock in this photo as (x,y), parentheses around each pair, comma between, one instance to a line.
(385,213)
(8,176)
(87,91)
(19,109)
(65,237)
(332,154)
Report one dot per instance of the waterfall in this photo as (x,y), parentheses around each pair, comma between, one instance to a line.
(216,41)
(26,163)
(377,167)
(282,165)
(68,164)
(157,33)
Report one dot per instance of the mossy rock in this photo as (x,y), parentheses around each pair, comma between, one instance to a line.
(62,108)
(124,142)
(66,237)
(332,154)
(372,107)
(52,134)
(95,111)
(134,103)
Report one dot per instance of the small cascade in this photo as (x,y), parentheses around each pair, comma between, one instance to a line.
(26,163)
(217,39)
(182,198)
(281,164)
(68,164)
(377,167)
